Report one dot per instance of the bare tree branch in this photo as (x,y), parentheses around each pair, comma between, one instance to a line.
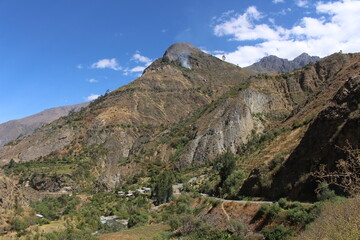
(347,173)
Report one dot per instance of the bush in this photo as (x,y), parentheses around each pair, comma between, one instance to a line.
(277,161)
(237,227)
(337,220)
(232,184)
(298,216)
(53,208)
(273,211)
(283,203)
(296,125)
(137,219)
(263,210)
(278,233)
(324,193)
(174,222)
(225,165)
(18,224)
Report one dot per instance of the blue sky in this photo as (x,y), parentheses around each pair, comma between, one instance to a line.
(62,52)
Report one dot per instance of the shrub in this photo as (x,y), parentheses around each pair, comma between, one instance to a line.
(53,208)
(214,202)
(270,211)
(18,224)
(137,219)
(277,161)
(278,233)
(337,220)
(237,227)
(298,216)
(174,222)
(324,193)
(232,184)
(273,211)
(263,210)
(296,125)
(283,203)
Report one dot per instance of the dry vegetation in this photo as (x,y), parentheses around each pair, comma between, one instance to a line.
(144,232)
(337,221)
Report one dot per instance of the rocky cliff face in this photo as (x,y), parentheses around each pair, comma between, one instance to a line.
(11,130)
(273,64)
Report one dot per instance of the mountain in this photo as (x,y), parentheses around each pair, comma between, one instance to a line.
(187,109)
(274,64)
(11,130)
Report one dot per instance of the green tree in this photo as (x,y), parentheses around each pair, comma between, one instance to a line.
(225,165)
(163,187)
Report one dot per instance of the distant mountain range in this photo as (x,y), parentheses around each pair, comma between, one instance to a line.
(13,129)
(274,64)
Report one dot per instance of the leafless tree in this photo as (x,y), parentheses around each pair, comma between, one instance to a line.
(347,173)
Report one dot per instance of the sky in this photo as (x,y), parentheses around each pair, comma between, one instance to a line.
(64,52)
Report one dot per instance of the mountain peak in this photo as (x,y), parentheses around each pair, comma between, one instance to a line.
(180,53)
(274,64)
(304,54)
(304,59)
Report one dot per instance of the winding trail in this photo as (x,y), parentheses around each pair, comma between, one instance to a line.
(226,214)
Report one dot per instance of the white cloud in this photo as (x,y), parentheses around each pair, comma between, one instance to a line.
(335,29)
(92,80)
(278,1)
(141,59)
(137,69)
(242,27)
(302,3)
(284,11)
(79,66)
(107,63)
(138,58)
(92,97)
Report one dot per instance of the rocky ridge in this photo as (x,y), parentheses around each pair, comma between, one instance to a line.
(274,64)
(14,129)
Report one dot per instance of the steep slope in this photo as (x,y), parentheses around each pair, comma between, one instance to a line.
(13,129)
(336,124)
(274,64)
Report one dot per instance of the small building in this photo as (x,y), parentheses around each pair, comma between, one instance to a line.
(140,192)
(146,189)
(121,193)
(129,193)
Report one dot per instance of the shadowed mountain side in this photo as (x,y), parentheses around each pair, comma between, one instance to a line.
(335,110)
